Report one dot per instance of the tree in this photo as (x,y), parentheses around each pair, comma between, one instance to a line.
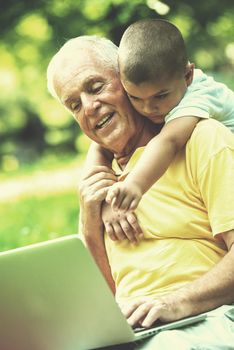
(31,121)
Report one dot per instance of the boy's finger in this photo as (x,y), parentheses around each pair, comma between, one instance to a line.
(125,204)
(110,196)
(134,203)
(116,203)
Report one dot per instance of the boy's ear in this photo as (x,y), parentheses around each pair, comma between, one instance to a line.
(189,73)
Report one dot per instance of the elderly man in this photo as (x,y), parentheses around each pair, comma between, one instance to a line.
(184,264)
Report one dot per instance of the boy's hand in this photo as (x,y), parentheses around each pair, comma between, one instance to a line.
(124,196)
(120,226)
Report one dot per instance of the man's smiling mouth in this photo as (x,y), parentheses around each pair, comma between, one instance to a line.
(104,121)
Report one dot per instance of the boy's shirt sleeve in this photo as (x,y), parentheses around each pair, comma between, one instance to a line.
(205,98)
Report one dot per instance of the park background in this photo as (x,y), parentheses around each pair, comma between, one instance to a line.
(41,146)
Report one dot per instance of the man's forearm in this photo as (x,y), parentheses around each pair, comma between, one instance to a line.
(92,229)
(211,290)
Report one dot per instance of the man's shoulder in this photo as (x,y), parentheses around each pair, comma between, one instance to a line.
(211,134)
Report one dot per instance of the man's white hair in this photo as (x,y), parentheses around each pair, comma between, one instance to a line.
(103,49)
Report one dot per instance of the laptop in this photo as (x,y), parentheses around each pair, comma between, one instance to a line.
(54,297)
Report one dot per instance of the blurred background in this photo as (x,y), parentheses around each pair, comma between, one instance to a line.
(41,146)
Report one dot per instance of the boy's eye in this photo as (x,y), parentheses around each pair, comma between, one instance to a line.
(160,97)
(133,97)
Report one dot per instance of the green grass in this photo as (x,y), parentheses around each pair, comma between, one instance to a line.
(37,218)
(46,163)
(39,201)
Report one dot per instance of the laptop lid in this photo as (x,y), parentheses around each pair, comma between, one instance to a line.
(54,297)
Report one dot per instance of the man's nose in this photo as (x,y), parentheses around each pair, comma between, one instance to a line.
(90,104)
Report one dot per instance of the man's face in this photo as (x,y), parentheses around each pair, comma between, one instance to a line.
(156,100)
(96,98)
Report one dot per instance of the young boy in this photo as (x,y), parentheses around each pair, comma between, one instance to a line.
(164,87)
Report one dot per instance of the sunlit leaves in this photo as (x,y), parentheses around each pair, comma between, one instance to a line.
(95,9)
(52,114)
(34,26)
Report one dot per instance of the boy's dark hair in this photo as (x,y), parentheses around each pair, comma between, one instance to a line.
(152,50)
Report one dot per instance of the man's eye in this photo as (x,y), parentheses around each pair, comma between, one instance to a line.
(96,87)
(75,106)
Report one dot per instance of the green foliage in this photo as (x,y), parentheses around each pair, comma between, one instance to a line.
(32,123)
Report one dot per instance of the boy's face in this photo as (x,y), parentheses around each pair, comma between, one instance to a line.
(156,100)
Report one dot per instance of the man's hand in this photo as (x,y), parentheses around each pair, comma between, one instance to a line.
(145,312)
(120,226)
(123,196)
(95,183)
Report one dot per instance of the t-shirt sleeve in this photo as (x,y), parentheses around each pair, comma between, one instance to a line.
(194,103)
(216,185)
(204,98)
(214,167)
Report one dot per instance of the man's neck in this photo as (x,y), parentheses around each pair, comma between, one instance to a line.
(145,132)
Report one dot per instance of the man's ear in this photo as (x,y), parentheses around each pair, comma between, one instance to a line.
(189,71)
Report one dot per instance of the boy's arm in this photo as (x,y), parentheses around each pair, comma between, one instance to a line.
(153,163)
(160,151)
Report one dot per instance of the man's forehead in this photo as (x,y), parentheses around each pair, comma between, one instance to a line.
(76,71)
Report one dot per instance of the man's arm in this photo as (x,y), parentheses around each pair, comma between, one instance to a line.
(97,155)
(93,189)
(213,289)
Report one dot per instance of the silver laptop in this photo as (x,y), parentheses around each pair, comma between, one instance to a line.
(53,297)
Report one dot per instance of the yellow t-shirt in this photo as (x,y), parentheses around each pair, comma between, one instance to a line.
(181,216)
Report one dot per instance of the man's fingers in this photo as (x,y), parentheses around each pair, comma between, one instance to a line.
(112,194)
(152,316)
(97,191)
(132,219)
(119,233)
(97,177)
(96,170)
(128,231)
(128,308)
(110,231)
(138,314)
(144,312)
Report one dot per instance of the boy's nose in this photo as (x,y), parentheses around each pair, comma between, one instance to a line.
(149,107)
